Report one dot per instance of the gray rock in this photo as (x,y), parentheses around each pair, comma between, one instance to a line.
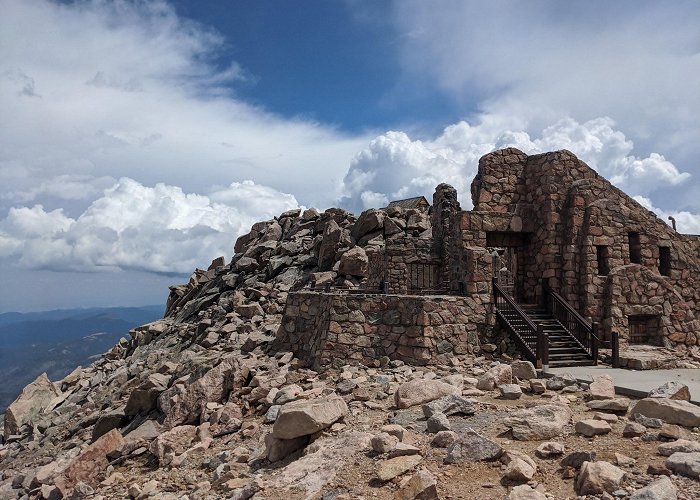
(510,391)
(444,439)
(596,478)
(653,423)
(602,387)
(558,382)
(680,445)
(669,410)
(592,427)
(438,422)
(523,370)
(472,447)
(301,418)
(383,442)
(617,405)
(686,464)
(525,492)
(498,375)
(633,429)
(354,262)
(28,405)
(577,458)
(671,390)
(538,423)
(393,467)
(107,422)
(272,414)
(661,489)
(452,404)
(419,391)
(549,449)
(421,486)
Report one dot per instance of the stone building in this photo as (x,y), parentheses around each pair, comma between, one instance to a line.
(579,259)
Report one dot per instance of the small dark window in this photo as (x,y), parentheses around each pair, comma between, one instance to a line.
(665,261)
(644,330)
(601,252)
(635,248)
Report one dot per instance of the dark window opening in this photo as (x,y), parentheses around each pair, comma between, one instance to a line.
(644,329)
(602,257)
(635,248)
(665,261)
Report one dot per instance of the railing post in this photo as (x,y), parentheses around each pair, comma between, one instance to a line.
(594,343)
(545,353)
(540,348)
(615,349)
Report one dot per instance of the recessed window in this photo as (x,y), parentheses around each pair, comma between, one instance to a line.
(665,261)
(644,330)
(635,248)
(601,252)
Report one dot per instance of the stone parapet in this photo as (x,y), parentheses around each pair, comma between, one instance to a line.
(321,327)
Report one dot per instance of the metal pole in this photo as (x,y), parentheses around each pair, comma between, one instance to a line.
(615,350)
(594,343)
(545,353)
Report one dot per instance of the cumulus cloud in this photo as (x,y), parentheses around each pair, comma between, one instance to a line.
(636,62)
(131,226)
(394,166)
(686,222)
(93,90)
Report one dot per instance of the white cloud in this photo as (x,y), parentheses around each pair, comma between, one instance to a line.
(638,63)
(132,226)
(686,222)
(394,167)
(94,90)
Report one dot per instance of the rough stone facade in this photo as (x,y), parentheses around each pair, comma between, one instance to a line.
(323,327)
(608,256)
(535,218)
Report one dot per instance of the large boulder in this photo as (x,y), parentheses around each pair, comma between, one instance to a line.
(596,478)
(523,370)
(452,404)
(498,375)
(369,221)
(671,390)
(472,447)
(354,262)
(90,462)
(329,245)
(183,403)
(672,411)
(301,418)
(687,464)
(538,423)
(34,399)
(172,443)
(602,387)
(419,391)
(661,489)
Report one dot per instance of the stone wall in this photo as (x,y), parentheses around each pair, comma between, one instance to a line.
(321,327)
(571,220)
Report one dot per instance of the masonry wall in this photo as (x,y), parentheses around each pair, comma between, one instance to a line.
(569,214)
(321,327)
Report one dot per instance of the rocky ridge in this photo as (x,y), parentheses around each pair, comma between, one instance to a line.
(201,405)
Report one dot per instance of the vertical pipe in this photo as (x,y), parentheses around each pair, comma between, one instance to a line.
(545,353)
(615,349)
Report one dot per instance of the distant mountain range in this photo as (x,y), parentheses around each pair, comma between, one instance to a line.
(56,342)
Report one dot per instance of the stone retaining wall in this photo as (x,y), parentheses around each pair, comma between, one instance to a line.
(320,327)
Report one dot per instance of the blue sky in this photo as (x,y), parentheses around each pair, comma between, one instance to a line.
(145,136)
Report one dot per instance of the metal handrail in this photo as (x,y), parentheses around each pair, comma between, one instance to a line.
(581,330)
(502,297)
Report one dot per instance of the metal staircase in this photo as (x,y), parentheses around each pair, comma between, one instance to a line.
(552,334)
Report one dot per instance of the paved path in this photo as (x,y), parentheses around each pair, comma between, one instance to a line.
(638,383)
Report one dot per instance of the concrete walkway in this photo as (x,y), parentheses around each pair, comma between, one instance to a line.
(637,383)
